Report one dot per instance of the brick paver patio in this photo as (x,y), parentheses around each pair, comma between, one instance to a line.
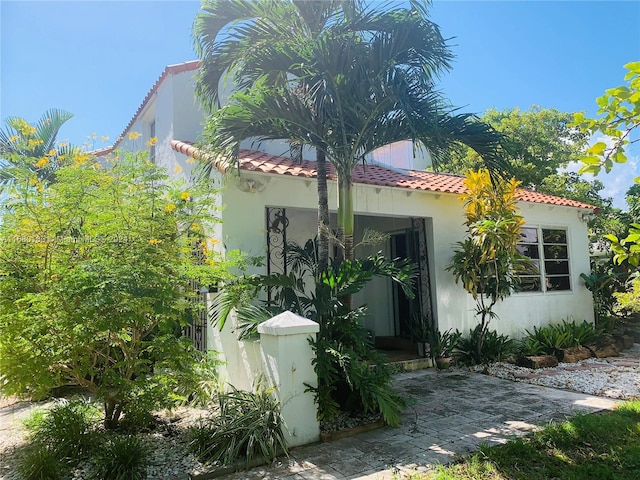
(449,413)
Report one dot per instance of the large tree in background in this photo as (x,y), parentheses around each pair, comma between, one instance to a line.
(368,81)
(538,143)
(34,147)
(618,120)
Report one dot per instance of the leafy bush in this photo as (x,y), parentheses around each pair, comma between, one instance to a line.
(107,313)
(551,338)
(66,429)
(352,376)
(495,348)
(531,346)
(40,462)
(442,343)
(59,438)
(246,425)
(122,458)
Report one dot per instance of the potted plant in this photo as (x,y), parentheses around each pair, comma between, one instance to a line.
(441,347)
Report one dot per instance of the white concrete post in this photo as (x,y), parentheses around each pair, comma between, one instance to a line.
(287,356)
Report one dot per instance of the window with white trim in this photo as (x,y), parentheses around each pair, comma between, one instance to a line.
(548,250)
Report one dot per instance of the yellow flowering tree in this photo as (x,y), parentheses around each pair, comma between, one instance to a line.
(95,271)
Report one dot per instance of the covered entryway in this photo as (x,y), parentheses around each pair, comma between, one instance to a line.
(394,320)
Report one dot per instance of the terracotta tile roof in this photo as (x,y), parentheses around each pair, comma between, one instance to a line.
(169,70)
(371,174)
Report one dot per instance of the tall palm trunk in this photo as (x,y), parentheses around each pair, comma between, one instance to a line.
(346,223)
(323,212)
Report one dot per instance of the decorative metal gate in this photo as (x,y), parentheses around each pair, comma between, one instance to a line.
(196,329)
(421,255)
(197,316)
(276,222)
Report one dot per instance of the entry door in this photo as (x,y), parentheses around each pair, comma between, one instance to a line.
(412,244)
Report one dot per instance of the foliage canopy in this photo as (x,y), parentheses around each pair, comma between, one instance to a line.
(94,282)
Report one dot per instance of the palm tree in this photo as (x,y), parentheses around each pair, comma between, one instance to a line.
(367,82)
(33,146)
(273,42)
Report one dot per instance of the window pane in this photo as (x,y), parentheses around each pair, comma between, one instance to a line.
(529,235)
(555,267)
(529,284)
(530,267)
(554,236)
(558,283)
(555,251)
(530,251)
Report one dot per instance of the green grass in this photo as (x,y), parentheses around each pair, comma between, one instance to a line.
(598,446)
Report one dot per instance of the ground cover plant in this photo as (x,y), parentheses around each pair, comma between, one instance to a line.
(549,339)
(245,425)
(70,432)
(95,272)
(495,347)
(586,447)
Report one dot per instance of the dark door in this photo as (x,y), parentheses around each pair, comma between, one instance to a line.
(416,314)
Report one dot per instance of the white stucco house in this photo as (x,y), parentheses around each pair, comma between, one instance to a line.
(274,200)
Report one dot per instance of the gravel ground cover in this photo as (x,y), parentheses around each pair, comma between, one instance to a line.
(613,377)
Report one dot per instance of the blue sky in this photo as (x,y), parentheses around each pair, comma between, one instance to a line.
(98,59)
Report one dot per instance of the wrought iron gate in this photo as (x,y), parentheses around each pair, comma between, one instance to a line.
(196,329)
(421,255)
(276,222)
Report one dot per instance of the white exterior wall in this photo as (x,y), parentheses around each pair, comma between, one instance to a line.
(177,116)
(244,228)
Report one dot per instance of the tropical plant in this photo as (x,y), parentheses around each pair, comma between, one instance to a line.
(34,147)
(363,81)
(351,374)
(549,339)
(66,428)
(487,261)
(442,343)
(246,425)
(618,121)
(607,278)
(39,462)
(94,283)
(495,347)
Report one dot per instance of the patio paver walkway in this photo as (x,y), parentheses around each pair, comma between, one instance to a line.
(450,413)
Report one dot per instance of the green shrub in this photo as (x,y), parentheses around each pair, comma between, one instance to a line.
(122,458)
(352,376)
(495,348)
(246,425)
(59,437)
(551,338)
(531,346)
(66,429)
(442,343)
(40,462)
